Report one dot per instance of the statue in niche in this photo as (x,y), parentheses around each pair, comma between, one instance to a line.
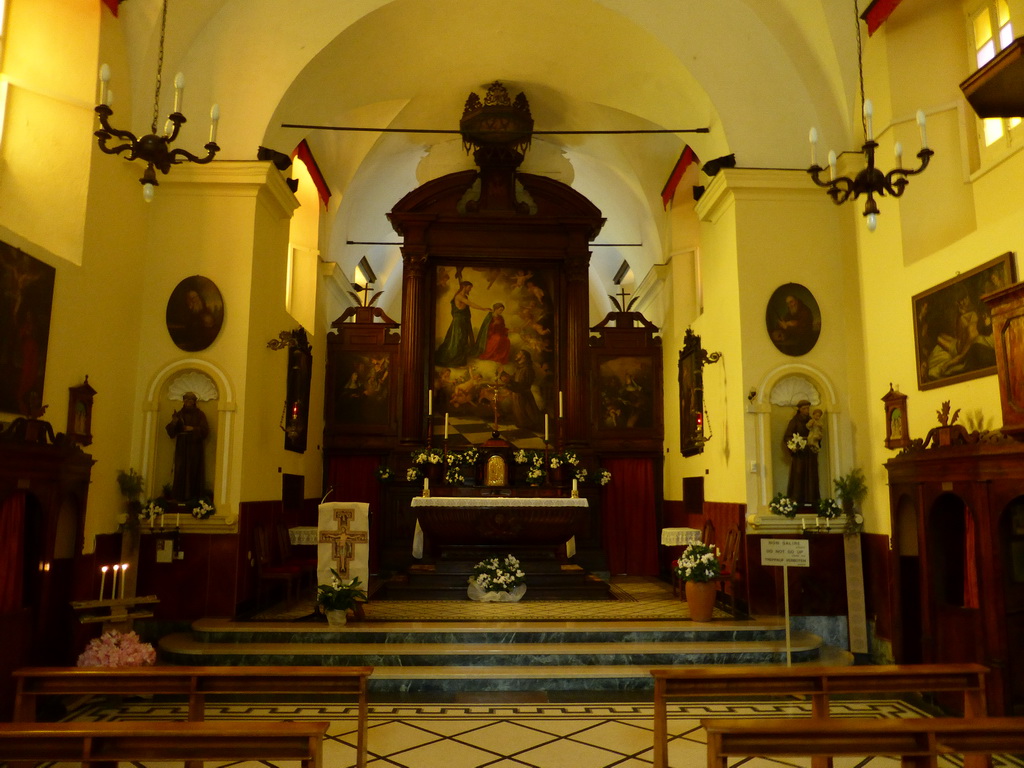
(189,430)
(802,441)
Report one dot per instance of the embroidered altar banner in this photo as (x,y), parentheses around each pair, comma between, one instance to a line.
(343,541)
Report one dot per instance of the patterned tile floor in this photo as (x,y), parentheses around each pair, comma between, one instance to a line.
(518,731)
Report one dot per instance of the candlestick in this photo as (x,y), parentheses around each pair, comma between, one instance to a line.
(803,523)
(124,577)
(561,414)
(430,402)
(426,487)
(575,488)
(113,589)
(446,426)
(545,427)
(103,578)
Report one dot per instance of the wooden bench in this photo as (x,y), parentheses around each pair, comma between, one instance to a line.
(917,741)
(194,682)
(816,682)
(91,743)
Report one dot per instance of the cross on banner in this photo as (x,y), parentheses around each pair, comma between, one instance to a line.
(343,539)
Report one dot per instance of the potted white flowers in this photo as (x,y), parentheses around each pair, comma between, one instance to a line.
(338,598)
(497,579)
(698,567)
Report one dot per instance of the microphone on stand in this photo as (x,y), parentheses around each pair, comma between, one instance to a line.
(330,490)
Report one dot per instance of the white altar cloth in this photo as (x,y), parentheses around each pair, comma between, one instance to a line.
(343,541)
(679,537)
(303,534)
(493,501)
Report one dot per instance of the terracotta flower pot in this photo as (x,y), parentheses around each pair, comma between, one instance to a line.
(700,597)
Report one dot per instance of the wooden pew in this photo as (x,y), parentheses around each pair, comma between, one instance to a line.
(196,683)
(917,741)
(109,743)
(816,682)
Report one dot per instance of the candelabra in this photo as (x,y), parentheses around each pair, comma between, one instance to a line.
(153,149)
(870,180)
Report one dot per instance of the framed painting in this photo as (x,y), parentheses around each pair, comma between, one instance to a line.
(195,313)
(494,353)
(691,396)
(300,368)
(626,393)
(953,326)
(793,319)
(26,298)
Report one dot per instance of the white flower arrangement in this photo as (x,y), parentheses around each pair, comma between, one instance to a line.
(796,442)
(566,457)
(201,509)
(453,475)
(580,474)
(604,477)
(153,509)
(412,474)
(829,508)
(498,574)
(428,456)
(535,474)
(699,562)
(783,505)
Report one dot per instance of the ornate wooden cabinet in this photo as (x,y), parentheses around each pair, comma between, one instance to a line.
(958,560)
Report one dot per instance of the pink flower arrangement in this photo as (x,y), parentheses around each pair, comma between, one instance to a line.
(114,649)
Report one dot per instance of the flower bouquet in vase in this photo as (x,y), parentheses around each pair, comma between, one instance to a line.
(699,566)
(497,580)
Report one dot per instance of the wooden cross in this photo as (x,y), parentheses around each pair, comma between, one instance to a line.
(343,540)
(622,294)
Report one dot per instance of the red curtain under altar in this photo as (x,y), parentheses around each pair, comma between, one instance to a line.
(630,525)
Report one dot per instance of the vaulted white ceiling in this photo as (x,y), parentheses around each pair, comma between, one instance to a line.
(756,73)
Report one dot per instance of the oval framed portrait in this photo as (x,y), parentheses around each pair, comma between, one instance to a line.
(195,313)
(793,319)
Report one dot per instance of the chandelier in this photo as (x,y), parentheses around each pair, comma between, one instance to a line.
(153,149)
(870,181)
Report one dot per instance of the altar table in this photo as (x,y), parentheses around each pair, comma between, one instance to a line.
(464,521)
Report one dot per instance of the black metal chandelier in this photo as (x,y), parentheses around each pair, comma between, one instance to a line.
(870,180)
(153,149)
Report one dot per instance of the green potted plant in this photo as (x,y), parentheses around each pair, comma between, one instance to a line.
(338,598)
(851,489)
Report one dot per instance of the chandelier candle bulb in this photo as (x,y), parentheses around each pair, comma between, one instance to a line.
(924,132)
(214,119)
(869,111)
(814,146)
(179,86)
(103,579)
(898,149)
(832,163)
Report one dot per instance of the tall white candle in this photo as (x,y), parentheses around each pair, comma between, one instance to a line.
(177,519)
(103,579)
(124,577)
(214,119)
(561,413)
(575,486)
(813,136)
(869,111)
(113,588)
(426,485)
(545,427)
(179,86)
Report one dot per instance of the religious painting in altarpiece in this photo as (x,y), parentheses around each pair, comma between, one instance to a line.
(494,353)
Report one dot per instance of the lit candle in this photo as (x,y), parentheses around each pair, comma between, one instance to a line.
(869,110)
(545,427)
(104,79)
(113,589)
(179,86)
(814,146)
(446,426)
(924,133)
(103,579)
(560,410)
(124,577)
(214,119)
(430,402)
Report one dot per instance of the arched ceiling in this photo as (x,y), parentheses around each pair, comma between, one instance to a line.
(757,74)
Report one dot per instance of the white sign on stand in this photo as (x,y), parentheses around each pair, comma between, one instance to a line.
(786,552)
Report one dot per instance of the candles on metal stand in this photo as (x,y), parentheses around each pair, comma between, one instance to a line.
(124,577)
(113,589)
(103,579)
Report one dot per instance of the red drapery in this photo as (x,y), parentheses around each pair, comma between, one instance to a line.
(630,528)
(12,543)
(354,478)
